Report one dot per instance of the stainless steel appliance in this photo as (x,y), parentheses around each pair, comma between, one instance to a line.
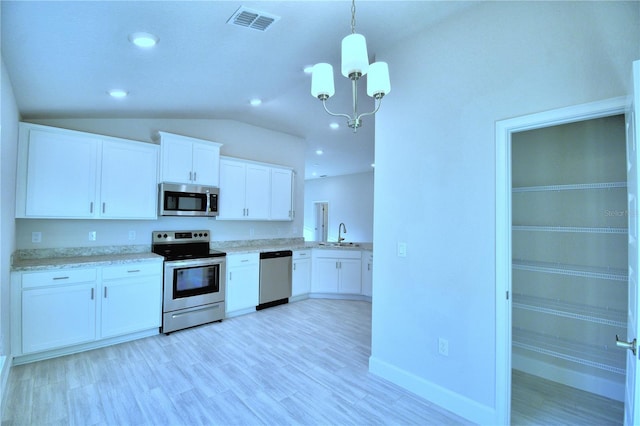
(275,278)
(194,279)
(187,200)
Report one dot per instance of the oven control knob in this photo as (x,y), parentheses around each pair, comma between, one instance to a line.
(159,235)
(165,235)
(205,234)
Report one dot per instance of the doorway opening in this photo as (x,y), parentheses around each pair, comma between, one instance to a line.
(321,221)
(569,270)
(542,230)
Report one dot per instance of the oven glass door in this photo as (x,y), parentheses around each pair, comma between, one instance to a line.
(196,280)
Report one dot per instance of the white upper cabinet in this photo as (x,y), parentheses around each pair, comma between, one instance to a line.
(189,160)
(281,194)
(129,181)
(57,174)
(74,175)
(249,191)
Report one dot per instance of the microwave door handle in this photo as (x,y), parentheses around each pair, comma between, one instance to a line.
(208,202)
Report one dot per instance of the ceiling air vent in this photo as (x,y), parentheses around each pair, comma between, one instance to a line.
(250,18)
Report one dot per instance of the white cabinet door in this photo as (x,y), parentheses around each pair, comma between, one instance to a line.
(350,276)
(325,275)
(367,273)
(232,190)
(177,159)
(54,317)
(206,164)
(129,180)
(301,276)
(281,194)
(257,195)
(131,304)
(61,175)
(243,277)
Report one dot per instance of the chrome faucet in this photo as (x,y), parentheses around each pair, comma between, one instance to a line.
(341,227)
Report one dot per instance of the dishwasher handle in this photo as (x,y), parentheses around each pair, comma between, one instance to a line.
(276,254)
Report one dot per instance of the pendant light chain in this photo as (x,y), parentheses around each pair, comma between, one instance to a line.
(353,16)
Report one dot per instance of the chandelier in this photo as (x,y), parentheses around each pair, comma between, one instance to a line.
(355,64)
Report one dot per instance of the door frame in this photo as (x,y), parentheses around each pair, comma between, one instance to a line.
(504,129)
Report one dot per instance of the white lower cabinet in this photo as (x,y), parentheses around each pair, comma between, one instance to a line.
(301,274)
(57,310)
(367,273)
(131,298)
(243,282)
(336,271)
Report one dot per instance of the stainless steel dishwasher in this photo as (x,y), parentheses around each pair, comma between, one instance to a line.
(275,278)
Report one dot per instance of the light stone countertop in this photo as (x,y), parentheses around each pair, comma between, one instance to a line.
(49,263)
(83,257)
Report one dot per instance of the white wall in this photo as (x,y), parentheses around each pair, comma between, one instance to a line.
(8,151)
(350,199)
(435,178)
(238,139)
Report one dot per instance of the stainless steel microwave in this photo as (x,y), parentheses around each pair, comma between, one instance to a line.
(188,200)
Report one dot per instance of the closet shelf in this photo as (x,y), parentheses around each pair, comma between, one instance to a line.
(599,315)
(608,358)
(612,274)
(571,187)
(570,229)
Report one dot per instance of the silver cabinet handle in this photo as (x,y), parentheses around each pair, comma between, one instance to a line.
(133,271)
(60,278)
(632,346)
(91,207)
(92,293)
(294,266)
(195,178)
(105,292)
(104,207)
(230,276)
(190,176)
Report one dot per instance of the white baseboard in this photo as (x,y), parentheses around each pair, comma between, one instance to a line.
(586,382)
(5,367)
(454,402)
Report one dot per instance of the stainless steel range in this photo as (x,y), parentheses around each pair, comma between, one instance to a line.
(194,279)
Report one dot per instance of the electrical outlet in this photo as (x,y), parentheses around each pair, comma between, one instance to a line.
(132,235)
(36,237)
(402,249)
(93,235)
(443,346)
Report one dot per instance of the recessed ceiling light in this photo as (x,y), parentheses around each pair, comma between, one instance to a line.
(334,126)
(308,69)
(118,93)
(319,152)
(314,174)
(255,102)
(144,40)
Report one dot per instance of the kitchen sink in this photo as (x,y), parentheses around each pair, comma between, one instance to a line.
(339,244)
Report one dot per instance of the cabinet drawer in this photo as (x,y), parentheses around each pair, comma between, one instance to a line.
(57,277)
(129,270)
(301,254)
(235,260)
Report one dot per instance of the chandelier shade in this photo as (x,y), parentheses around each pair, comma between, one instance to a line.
(322,81)
(378,83)
(355,59)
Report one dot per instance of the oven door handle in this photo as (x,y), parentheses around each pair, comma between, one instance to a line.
(193,262)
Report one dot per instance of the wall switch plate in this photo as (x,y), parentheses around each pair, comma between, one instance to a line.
(402,249)
(93,235)
(36,237)
(443,346)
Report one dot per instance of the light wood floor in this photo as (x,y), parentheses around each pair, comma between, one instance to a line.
(301,363)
